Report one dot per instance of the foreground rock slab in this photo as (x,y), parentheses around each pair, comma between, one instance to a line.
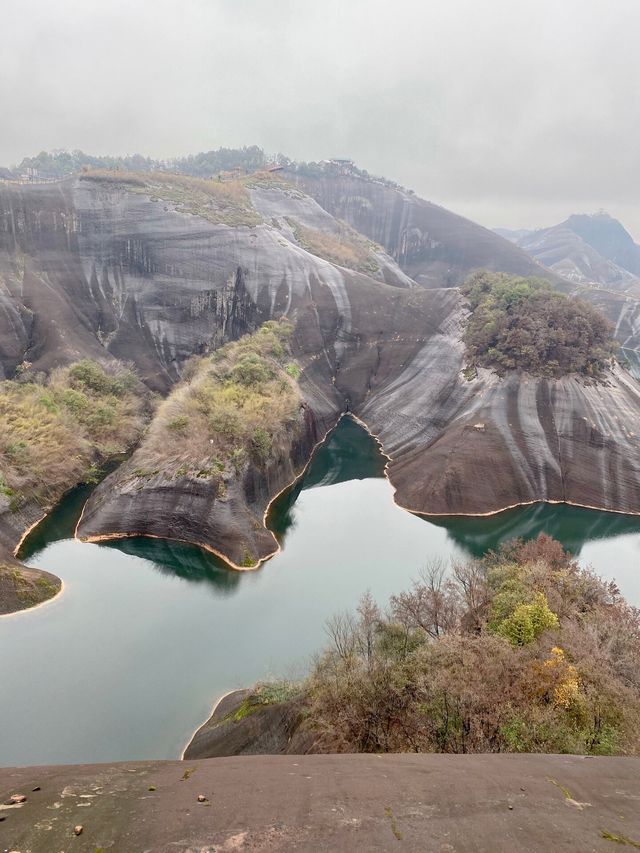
(455,803)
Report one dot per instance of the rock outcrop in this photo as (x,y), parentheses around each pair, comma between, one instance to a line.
(144,273)
(563,250)
(462,803)
(514,441)
(434,246)
(224,514)
(241,725)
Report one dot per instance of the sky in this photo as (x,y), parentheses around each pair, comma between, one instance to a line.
(512,113)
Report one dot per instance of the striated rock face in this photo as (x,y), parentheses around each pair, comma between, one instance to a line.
(387,327)
(88,267)
(478,447)
(435,247)
(228,522)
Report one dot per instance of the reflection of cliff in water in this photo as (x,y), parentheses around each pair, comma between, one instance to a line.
(182,560)
(571,525)
(59,524)
(348,453)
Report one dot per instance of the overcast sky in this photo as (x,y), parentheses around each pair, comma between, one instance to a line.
(513,113)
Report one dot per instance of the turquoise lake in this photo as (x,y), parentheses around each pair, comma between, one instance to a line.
(147,634)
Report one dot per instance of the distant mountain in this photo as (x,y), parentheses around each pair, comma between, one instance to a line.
(609,238)
(584,249)
(511,234)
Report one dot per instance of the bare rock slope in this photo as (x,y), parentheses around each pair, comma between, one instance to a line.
(458,803)
(434,246)
(156,270)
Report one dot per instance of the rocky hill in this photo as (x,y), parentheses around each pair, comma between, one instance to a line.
(436,247)
(584,249)
(156,268)
(599,261)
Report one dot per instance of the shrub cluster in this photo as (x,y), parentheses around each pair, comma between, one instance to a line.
(233,406)
(521,651)
(522,324)
(55,431)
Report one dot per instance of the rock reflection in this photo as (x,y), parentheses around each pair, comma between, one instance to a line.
(571,525)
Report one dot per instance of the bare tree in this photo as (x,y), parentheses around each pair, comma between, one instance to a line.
(368,625)
(470,578)
(433,603)
(342,631)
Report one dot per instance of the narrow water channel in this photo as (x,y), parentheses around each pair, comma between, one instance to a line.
(127,662)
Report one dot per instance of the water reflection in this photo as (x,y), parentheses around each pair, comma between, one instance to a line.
(571,525)
(149,633)
(59,524)
(349,453)
(184,561)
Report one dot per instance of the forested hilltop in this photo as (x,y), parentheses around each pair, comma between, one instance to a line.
(249,158)
(523,324)
(521,651)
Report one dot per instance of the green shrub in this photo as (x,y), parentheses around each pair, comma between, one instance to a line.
(56,432)
(528,621)
(178,424)
(252,369)
(236,405)
(238,458)
(261,445)
(522,324)
(76,402)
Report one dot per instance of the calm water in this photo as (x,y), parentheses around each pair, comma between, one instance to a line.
(147,634)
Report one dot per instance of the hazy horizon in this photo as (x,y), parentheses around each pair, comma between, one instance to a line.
(512,116)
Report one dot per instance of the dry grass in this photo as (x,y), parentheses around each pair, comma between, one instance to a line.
(26,588)
(52,434)
(236,406)
(225,202)
(347,248)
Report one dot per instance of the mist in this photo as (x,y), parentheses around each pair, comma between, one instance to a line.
(510,113)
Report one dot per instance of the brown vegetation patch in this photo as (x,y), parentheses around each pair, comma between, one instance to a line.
(223,202)
(346,248)
(55,432)
(522,651)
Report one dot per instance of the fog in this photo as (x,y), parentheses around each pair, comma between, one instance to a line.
(512,113)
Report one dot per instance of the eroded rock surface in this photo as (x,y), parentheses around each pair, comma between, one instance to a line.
(189,508)
(516,440)
(434,246)
(310,803)
(150,281)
